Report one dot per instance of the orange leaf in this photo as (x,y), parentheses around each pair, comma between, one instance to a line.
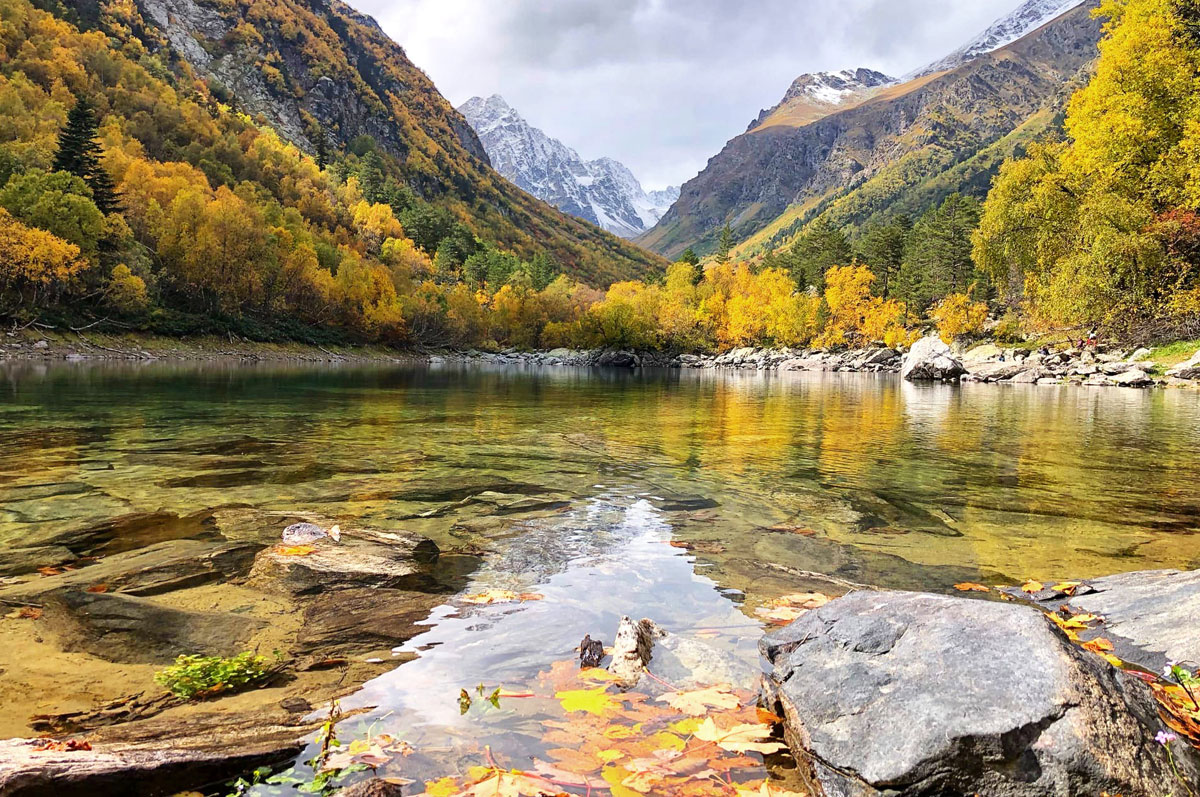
(98,588)
(1032,586)
(970,586)
(1098,645)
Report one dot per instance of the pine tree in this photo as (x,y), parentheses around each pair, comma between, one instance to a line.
(322,151)
(725,245)
(819,248)
(79,154)
(371,179)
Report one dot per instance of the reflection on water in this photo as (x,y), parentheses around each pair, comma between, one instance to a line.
(571,483)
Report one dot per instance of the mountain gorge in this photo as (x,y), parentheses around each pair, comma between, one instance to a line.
(603,191)
(899,150)
(328,78)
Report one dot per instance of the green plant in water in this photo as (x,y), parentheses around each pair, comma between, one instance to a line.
(194,677)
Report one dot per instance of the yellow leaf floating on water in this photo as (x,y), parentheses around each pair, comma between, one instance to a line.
(510,784)
(594,701)
(608,756)
(501,596)
(685,727)
(295,550)
(597,674)
(739,738)
(1079,621)
(1032,586)
(698,702)
(968,586)
(443,787)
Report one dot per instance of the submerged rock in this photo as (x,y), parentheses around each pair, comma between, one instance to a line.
(395,560)
(915,694)
(930,359)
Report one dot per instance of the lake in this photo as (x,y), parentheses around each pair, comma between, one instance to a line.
(692,498)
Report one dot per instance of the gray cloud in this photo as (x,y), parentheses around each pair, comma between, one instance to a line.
(662,84)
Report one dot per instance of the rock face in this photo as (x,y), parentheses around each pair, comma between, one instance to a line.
(601,191)
(915,694)
(930,359)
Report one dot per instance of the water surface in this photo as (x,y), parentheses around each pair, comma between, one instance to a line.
(690,498)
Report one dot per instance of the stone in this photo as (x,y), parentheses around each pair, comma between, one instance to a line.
(362,620)
(617,359)
(1154,613)
(373,787)
(1030,376)
(930,359)
(633,647)
(1139,355)
(688,663)
(913,694)
(995,371)
(41,344)
(984,352)
(1134,378)
(1187,370)
(394,560)
(121,628)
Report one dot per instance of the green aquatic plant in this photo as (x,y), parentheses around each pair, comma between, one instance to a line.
(196,677)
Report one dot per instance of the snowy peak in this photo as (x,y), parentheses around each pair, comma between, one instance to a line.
(832,88)
(602,191)
(813,96)
(1028,17)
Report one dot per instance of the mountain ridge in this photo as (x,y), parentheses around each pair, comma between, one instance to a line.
(602,191)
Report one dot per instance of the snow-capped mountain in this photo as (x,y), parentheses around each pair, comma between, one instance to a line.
(818,94)
(1029,16)
(602,191)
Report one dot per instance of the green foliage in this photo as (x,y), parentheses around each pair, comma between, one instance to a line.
(690,257)
(882,248)
(937,254)
(79,154)
(820,247)
(58,202)
(193,677)
(725,244)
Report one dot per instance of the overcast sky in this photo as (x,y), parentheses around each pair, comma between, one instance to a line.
(662,84)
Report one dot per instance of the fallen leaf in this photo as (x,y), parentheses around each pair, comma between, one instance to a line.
(295,550)
(594,701)
(697,703)
(98,588)
(1079,621)
(1066,587)
(443,787)
(1032,586)
(967,586)
(50,571)
(64,746)
(509,784)
(1098,645)
(501,596)
(25,613)
(739,738)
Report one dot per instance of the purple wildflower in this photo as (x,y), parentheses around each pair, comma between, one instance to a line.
(1165,738)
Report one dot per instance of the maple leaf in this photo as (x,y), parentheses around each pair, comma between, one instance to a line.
(1098,645)
(594,701)
(697,703)
(443,787)
(98,588)
(295,550)
(1066,587)
(1032,587)
(740,738)
(966,586)
(501,596)
(509,784)
(1079,621)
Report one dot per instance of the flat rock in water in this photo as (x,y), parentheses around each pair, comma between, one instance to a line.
(133,760)
(396,560)
(360,620)
(691,664)
(1157,612)
(120,628)
(916,694)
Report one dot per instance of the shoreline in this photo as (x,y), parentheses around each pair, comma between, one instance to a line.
(984,362)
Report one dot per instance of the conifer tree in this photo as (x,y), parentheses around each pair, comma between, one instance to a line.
(79,154)
(725,246)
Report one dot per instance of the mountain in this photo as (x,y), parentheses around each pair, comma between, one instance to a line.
(603,192)
(902,149)
(1029,16)
(813,96)
(323,75)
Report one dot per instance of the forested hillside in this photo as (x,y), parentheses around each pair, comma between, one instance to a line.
(274,163)
(901,151)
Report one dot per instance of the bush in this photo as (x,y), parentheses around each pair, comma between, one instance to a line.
(195,677)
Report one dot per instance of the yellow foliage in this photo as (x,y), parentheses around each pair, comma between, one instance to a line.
(32,257)
(957,316)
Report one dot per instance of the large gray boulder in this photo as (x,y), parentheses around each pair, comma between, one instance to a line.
(1187,370)
(930,359)
(915,694)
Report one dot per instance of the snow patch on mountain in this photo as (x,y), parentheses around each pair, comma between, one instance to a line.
(603,191)
(1028,17)
(820,93)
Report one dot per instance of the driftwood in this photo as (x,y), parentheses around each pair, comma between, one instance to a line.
(591,652)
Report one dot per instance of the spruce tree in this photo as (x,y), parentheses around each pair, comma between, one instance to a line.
(79,154)
(322,152)
(725,245)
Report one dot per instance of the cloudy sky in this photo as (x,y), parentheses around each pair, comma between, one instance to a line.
(662,84)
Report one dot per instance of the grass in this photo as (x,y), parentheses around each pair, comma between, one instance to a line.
(1174,353)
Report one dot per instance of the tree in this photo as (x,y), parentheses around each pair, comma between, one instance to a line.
(79,154)
(881,248)
(725,244)
(820,247)
(937,258)
(322,150)
(33,261)
(58,202)
(371,178)
(690,257)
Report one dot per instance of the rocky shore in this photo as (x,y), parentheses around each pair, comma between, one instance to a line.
(928,359)
(910,694)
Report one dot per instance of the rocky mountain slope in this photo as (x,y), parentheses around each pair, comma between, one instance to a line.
(1029,16)
(902,149)
(813,96)
(601,191)
(319,71)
